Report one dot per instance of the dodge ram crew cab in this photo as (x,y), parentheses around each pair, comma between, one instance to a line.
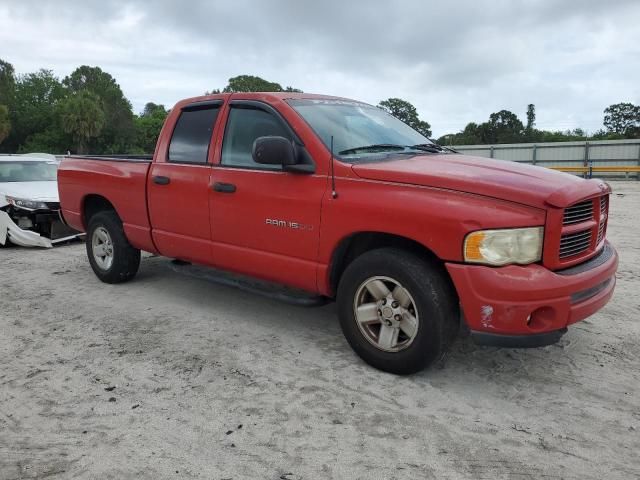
(339,199)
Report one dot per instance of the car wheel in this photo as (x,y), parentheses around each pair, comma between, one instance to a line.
(398,311)
(111,256)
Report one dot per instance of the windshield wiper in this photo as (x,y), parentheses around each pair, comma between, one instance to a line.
(382,147)
(378,146)
(428,147)
(434,146)
(444,147)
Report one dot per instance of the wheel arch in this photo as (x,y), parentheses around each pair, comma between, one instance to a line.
(356,244)
(93,204)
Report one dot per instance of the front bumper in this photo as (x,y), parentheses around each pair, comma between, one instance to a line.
(515,302)
(532,340)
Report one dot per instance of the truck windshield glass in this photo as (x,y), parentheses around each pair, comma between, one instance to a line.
(28,171)
(359,129)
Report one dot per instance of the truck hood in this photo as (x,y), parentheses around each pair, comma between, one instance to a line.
(42,191)
(502,179)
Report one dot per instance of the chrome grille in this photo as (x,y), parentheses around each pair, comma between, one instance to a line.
(603,204)
(574,243)
(600,233)
(580,212)
(603,218)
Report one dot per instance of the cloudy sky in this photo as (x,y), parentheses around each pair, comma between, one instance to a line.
(456,61)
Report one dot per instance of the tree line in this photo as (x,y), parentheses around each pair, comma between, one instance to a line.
(87,112)
(621,120)
(84,112)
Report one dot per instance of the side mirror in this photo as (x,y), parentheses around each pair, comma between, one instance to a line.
(273,150)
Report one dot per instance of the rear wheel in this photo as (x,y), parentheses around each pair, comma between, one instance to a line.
(111,256)
(397,311)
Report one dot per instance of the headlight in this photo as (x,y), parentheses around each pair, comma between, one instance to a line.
(27,204)
(501,247)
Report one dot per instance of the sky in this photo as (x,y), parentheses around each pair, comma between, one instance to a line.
(456,61)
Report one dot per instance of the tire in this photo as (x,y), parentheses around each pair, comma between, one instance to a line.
(105,234)
(423,317)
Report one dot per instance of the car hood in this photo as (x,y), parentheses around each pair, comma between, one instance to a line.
(42,191)
(503,179)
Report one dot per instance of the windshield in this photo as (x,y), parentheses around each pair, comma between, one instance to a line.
(358,129)
(28,171)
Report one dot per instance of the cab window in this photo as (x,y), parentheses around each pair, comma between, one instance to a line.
(244,125)
(192,135)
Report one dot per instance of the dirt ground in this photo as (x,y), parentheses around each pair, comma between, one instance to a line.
(172,376)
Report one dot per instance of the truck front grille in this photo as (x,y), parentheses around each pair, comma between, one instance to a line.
(602,225)
(579,212)
(584,226)
(601,229)
(574,243)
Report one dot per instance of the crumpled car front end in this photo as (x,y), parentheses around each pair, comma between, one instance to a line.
(32,223)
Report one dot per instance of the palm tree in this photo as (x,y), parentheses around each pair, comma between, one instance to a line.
(82,117)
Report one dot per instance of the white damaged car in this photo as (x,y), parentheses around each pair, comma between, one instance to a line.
(29,202)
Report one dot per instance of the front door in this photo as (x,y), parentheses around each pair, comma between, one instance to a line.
(265,221)
(178,187)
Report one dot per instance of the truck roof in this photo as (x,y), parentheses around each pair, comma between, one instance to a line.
(265,96)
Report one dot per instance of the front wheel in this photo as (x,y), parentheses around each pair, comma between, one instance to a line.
(398,312)
(111,256)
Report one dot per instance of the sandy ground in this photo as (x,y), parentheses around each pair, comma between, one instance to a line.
(176,377)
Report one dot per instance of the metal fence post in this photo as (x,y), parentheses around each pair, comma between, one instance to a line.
(534,154)
(586,160)
(491,152)
(638,174)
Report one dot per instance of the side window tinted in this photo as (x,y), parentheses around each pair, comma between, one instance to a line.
(243,127)
(192,135)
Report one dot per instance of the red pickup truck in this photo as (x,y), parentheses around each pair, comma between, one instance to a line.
(337,198)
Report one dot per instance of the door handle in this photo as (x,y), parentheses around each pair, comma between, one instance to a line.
(160,180)
(224,187)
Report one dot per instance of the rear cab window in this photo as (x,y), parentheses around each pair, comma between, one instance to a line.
(192,134)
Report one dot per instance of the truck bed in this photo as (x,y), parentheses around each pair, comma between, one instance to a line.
(122,179)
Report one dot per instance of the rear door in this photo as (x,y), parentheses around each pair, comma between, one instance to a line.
(265,221)
(178,186)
